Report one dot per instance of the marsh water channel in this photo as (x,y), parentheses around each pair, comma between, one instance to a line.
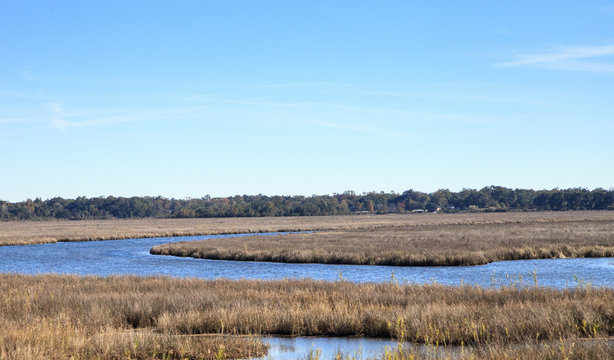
(132,257)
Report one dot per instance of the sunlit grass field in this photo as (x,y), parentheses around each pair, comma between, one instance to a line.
(61,317)
(424,240)
(36,232)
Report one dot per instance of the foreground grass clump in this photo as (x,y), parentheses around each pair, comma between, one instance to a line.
(38,232)
(532,350)
(52,316)
(62,339)
(486,239)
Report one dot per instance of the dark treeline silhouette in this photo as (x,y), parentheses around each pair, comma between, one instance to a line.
(492,198)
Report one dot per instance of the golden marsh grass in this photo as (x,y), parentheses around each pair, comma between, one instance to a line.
(563,349)
(36,232)
(81,309)
(439,240)
(126,317)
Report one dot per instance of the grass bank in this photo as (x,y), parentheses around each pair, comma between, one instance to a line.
(38,232)
(52,316)
(477,239)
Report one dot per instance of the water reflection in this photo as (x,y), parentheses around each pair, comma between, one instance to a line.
(286,348)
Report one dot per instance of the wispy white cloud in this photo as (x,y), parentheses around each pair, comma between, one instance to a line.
(63,120)
(586,66)
(62,123)
(56,107)
(370,115)
(568,58)
(382,121)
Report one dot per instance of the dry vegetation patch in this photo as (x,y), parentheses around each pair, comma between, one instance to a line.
(532,350)
(471,239)
(52,316)
(37,232)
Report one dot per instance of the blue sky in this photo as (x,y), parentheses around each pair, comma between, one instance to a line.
(188,98)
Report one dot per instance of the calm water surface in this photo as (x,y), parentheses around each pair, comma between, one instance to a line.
(285,348)
(132,257)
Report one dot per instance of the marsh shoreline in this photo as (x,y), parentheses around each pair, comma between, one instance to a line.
(481,241)
(50,231)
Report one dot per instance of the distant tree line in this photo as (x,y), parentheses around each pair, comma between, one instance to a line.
(492,198)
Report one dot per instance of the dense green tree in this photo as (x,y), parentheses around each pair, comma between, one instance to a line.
(492,198)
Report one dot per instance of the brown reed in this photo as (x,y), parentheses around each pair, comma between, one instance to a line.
(53,316)
(483,240)
(597,349)
(35,232)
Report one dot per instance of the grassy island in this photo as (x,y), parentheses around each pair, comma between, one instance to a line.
(423,240)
